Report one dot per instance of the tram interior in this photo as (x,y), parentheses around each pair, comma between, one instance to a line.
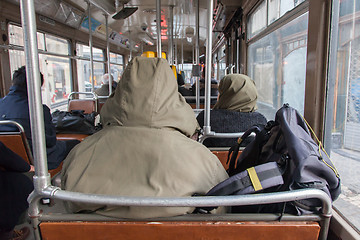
(129,28)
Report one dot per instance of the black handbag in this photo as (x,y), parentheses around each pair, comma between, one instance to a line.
(75,121)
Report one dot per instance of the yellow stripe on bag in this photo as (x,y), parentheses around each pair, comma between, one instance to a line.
(254,179)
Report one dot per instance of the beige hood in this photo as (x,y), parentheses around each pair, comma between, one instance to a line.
(143,148)
(237,92)
(147,96)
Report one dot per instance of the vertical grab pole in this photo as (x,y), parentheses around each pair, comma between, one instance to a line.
(197,61)
(91,49)
(108,54)
(182,54)
(207,127)
(158,27)
(171,57)
(42,177)
(175,53)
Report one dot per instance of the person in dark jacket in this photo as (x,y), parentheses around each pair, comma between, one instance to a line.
(15,106)
(15,187)
(181,86)
(235,110)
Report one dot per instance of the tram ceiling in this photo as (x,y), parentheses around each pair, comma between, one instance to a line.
(140,27)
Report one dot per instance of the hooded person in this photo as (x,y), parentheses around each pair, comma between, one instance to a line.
(235,110)
(144,148)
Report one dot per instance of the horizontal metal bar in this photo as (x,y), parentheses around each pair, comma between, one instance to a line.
(95,96)
(234,200)
(20,48)
(93,217)
(99,7)
(222,135)
(201,97)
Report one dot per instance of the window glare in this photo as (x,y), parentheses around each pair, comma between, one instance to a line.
(268,12)
(57,45)
(83,68)
(56,70)
(342,134)
(285,82)
(16,35)
(84,51)
(257,21)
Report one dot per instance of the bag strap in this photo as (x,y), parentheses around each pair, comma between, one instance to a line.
(251,180)
(234,150)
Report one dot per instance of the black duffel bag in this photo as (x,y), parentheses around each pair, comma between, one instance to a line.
(75,121)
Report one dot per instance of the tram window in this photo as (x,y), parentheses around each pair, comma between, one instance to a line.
(257,22)
(278,8)
(57,75)
(41,41)
(342,135)
(116,66)
(187,69)
(57,45)
(277,63)
(16,35)
(56,70)
(84,68)
(273,9)
(221,64)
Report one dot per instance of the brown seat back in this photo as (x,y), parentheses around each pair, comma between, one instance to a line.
(16,141)
(88,105)
(222,156)
(181,230)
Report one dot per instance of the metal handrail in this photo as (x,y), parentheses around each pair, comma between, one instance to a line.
(206,201)
(11,122)
(220,135)
(95,96)
(200,97)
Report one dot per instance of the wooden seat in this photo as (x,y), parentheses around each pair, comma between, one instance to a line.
(222,156)
(17,142)
(181,230)
(70,136)
(88,105)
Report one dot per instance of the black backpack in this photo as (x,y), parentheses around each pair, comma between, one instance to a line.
(302,163)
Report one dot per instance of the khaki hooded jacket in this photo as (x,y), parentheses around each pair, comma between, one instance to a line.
(144,148)
(237,92)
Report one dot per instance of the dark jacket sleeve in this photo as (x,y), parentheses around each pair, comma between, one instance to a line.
(50,131)
(10,161)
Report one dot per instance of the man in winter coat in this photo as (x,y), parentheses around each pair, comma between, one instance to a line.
(104,89)
(145,147)
(15,106)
